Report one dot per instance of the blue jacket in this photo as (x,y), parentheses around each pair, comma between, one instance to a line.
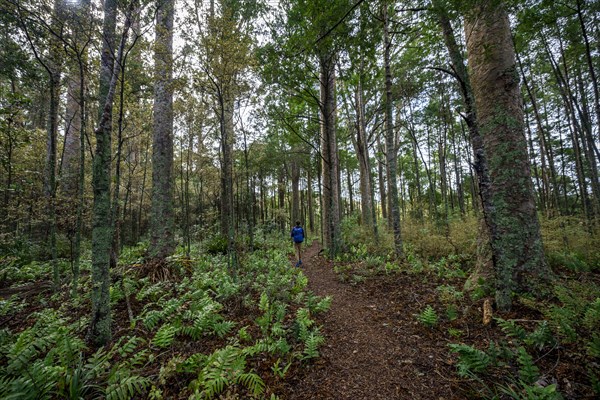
(297,234)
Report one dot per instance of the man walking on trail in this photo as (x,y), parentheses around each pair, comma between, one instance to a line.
(297,235)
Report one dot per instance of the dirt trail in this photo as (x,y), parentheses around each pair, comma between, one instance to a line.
(374,348)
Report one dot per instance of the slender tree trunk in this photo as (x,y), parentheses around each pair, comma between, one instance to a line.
(517,246)
(544,151)
(309,195)
(589,60)
(295,169)
(390,142)
(364,163)
(480,187)
(574,129)
(382,189)
(81,176)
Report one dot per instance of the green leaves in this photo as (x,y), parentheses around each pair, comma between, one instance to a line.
(471,360)
(428,317)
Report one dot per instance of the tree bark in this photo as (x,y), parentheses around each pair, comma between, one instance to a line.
(516,245)
(390,142)
(162,241)
(364,163)
(99,332)
(330,159)
(295,169)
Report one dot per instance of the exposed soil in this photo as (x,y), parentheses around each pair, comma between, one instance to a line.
(375,348)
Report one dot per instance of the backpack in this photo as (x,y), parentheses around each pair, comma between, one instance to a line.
(298,234)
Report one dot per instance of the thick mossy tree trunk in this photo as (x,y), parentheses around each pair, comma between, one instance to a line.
(329,152)
(390,143)
(162,241)
(517,250)
(100,325)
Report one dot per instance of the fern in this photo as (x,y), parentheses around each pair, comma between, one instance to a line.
(222,368)
(593,347)
(127,388)
(128,347)
(252,382)
(591,318)
(428,317)
(223,328)
(317,304)
(261,346)
(152,318)
(512,329)
(243,334)
(523,391)
(193,363)
(470,359)
(165,335)
(311,344)
(528,371)
(541,337)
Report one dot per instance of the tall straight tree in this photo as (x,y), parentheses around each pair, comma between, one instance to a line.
(162,242)
(100,330)
(390,142)
(516,243)
(329,151)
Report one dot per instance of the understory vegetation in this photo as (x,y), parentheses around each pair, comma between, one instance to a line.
(545,348)
(197,330)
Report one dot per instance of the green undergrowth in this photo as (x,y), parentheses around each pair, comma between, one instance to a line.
(212,330)
(546,348)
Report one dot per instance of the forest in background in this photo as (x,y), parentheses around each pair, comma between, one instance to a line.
(155,154)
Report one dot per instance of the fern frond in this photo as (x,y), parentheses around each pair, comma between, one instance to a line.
(165,335)
(252,382)
(528,372)
(471,360)
(127,388)
(428,317)
(311,345)
(512,329)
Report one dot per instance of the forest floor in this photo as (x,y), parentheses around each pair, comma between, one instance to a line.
(375,348)
(376,343)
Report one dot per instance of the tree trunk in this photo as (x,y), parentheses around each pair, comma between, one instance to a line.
(390,142)
(295,169)
(99,332)
(162,241)
(330,159)
(364,163)
(309,200)
(480,187)
(516,245)
(381,176)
